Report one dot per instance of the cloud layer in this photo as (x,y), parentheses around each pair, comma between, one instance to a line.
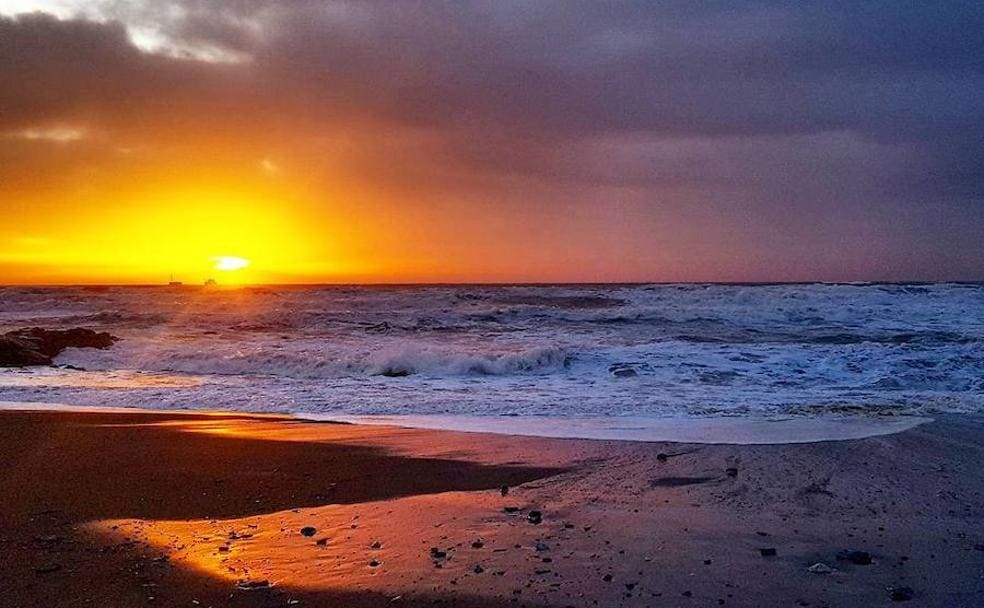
(625,141)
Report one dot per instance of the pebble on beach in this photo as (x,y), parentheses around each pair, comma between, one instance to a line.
(859,558)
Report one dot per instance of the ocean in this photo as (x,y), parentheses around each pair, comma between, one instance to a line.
(569,351)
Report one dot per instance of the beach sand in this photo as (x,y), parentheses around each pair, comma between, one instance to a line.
(178,509)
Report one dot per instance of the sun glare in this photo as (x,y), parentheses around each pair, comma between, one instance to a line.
(229,263)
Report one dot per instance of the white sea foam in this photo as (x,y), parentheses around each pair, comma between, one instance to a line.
(566,351)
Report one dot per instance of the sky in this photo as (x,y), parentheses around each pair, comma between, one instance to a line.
(499,141)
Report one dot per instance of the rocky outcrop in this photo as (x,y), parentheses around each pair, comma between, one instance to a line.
(37,346)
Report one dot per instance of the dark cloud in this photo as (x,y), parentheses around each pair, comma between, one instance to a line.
(834,122)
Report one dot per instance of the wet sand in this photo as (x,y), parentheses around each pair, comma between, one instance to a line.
(171,509)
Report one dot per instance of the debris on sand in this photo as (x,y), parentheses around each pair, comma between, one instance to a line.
(820,568)
(859,558)
(48,569)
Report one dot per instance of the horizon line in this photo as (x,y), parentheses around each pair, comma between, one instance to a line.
(500,283)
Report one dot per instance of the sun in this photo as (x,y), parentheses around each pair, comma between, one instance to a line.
(229,263)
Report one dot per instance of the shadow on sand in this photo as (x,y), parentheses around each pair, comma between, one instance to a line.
(63,469)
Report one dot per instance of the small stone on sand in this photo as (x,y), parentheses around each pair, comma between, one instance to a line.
(859,558)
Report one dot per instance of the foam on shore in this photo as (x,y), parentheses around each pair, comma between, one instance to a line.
(723,430)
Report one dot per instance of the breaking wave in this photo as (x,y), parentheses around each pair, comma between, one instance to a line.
(652,350)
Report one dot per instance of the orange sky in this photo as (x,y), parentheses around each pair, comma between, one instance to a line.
(485,142)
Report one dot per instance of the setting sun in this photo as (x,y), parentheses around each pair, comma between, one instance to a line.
(229,263)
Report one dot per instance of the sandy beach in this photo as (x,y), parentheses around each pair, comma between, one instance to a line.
(179,509)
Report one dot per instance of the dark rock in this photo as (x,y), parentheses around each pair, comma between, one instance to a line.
(477,544)
(373,564)
(308,531)
(630,586)
(661,457)
(607,578)
(321,542)
(768,552)
(687,593)
(504,490)
(859,558)
(376,545)
(979,547)
(511,510)
(707,562)
(436,553)
(731,471)
(37,346)
(395,373)
(535,517)
(48,569)
(901,594)
(622,372)
(18,353)
(478,569)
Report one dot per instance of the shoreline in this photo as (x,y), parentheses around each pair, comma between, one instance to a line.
(116,508)
(735,430)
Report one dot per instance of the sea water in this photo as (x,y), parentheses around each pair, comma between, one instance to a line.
(575,352)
